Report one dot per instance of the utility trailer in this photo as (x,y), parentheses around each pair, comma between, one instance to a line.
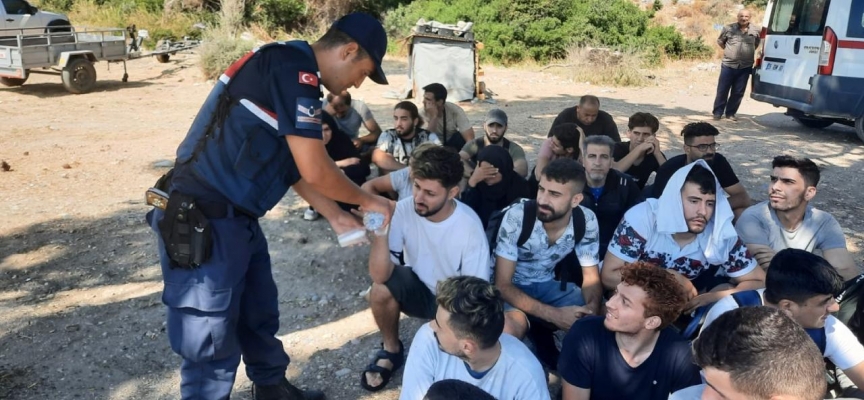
(72,54)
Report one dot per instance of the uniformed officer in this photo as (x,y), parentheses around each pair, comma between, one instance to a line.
(257,135)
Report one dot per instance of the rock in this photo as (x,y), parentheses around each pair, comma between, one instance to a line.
(163,164)
(314,298)
(67,166)
(5,166)
(342,372)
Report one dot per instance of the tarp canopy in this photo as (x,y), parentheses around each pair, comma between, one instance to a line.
(447,60)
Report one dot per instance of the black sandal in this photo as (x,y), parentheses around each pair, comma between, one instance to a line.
(397,359)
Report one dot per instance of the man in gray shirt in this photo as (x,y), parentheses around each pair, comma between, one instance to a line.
(350,115)
(739,42)
(787,220)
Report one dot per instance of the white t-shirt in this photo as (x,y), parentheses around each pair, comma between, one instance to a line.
(636,239)
(841,345)
(439,250)
(401,182)
(517,375)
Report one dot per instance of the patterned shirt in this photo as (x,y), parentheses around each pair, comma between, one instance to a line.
(390,143)
(636,239)
(536,259)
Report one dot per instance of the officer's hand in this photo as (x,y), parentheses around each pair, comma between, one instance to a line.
(345,222)
(380,205)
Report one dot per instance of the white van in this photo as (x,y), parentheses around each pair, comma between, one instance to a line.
(812,61)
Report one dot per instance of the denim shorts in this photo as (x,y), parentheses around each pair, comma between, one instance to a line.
(550,293)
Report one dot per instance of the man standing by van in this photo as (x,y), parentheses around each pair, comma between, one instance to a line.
(739,41)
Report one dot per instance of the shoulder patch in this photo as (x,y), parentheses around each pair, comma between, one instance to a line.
(308,78)
(308,113)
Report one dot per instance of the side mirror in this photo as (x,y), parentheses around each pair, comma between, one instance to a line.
(33,10)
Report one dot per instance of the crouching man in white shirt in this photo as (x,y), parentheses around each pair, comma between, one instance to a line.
(465,341)
(803,286)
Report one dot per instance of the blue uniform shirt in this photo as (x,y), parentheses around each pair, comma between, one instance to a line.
(274,91)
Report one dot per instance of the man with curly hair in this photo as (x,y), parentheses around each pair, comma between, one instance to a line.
(465,342)
(631,352)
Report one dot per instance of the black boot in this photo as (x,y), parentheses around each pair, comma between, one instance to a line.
(284,391)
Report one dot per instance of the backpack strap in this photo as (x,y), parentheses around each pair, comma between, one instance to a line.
(578,226)
(528,220)
(747,298)
(569,265)
(506,144)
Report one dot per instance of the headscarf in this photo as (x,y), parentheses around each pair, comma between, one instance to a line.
(719,235)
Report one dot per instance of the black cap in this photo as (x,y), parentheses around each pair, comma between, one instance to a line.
(370,35)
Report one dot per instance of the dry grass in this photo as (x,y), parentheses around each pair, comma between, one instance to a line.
(602,67)
(219,50)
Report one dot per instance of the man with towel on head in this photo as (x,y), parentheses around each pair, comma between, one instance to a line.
(689,231)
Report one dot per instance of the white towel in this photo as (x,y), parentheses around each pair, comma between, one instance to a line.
(719,235)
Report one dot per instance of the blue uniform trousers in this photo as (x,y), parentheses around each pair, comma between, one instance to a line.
(734,81)
(226,308)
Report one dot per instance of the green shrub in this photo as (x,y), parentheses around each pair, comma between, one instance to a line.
(756,3)
(219,50)
(541,30)
(276,14)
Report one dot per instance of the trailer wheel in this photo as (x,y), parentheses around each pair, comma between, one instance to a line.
(12,82)
(815,123)
(79,76)
(859,127)
(163,58)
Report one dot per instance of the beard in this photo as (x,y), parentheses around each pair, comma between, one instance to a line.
(429,211)
(787,204)
(494,140)
(552,216)
(406,132)
(597,177)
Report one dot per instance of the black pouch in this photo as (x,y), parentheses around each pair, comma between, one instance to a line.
(186,232)
(164,181)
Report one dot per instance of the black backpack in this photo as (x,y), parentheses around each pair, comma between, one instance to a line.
(568,269)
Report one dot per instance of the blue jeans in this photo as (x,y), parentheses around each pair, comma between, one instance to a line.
(226,308)
(736,81)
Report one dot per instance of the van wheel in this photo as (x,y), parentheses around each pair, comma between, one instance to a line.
(815,123)
(859,127)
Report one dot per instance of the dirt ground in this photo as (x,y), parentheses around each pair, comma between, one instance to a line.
(80,310)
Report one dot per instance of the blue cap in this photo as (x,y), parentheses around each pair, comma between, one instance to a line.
(370,35)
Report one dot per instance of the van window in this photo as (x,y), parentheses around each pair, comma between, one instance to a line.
(855,28)
(798,17)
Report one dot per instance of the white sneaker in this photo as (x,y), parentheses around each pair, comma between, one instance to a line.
(310,214)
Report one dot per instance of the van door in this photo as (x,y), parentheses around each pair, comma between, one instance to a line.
(792,43)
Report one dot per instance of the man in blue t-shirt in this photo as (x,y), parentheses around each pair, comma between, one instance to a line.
(631,353)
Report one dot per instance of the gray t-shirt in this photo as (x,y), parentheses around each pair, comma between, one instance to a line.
(819,230)
(401,182)
(354,118)
(740,45)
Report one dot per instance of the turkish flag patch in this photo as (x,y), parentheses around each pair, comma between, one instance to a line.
(308,79)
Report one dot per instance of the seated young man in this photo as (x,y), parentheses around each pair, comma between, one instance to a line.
(432,237)
(787,220)
(688,231)
(351,115)
(700,144)
(803,286)
(631,353)
(608,193)
(757,353)
(446,119)
(641,155)
(525,274)
(465,342)
(398,184)
(495,127)
(395,145)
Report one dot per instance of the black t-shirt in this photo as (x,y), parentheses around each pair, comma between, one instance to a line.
(620,193)
(641,172)
(341,147)
(590,359)
(725,175)
(603,125)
